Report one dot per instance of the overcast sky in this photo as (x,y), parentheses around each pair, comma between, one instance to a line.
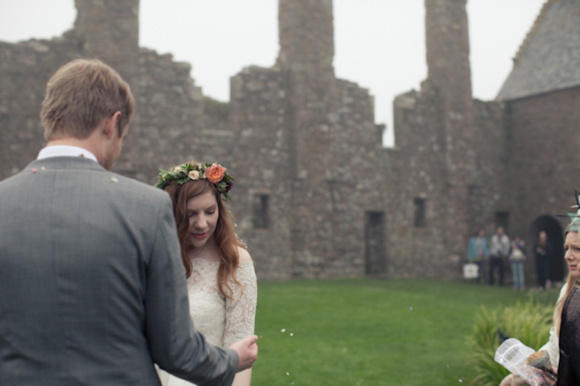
(379,44)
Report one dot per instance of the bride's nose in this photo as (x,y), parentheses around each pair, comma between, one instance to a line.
(200,223)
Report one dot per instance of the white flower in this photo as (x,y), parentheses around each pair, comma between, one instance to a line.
(176,169)
(194,175)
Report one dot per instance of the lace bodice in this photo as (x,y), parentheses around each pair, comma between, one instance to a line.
(223,321)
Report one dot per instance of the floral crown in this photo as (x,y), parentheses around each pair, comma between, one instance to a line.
(214,173)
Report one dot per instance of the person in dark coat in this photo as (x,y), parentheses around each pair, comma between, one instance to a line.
(543,251)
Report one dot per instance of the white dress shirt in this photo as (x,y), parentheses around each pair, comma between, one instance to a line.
(65,151)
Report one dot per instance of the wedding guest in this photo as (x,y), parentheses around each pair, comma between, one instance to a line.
(517,258)
(499,251)
(563,346)
(543,252)
(567,314)
(92,288)
(478,253)
(220,274)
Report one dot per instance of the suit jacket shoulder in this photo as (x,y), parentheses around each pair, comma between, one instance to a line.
(92,285)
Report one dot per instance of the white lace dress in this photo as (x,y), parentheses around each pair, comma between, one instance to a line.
(221,320)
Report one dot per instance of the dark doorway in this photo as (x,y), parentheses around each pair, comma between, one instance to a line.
(375,260)
(502,219)
(260,211)
(556,238)
(420,220)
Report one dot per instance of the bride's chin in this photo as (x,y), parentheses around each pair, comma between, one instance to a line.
(190,245)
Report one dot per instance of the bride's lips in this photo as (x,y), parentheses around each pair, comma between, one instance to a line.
(199,235)
(572,267)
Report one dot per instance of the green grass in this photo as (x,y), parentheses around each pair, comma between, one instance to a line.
(529,322)
(370,332)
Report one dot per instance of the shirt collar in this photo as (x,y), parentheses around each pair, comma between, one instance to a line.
(65,151)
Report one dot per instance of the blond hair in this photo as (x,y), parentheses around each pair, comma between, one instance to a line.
(571,282)
(80,95)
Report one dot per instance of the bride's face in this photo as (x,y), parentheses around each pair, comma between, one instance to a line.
(203,216)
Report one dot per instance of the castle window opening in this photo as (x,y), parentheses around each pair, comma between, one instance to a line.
(420,220)
(260,211)
(375,253)
(502,219)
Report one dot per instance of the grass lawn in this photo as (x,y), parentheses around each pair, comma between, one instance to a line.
(369,332)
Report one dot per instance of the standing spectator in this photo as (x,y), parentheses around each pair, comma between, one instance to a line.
(478,253)
(543,251)
(500,250)
(517,259)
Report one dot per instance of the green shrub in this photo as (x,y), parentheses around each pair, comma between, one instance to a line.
(528,322)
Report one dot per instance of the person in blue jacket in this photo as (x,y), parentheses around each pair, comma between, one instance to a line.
(478,253)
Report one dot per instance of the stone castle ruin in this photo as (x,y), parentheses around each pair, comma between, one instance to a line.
(316,194)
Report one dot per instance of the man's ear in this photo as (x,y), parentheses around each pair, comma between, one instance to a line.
(111,124)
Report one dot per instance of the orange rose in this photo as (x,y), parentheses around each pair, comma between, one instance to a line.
(215,173)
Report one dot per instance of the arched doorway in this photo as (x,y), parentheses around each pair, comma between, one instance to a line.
(549,225)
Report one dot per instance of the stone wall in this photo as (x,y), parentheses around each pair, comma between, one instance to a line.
(170,122)
(488,192)
(316,195)
(109,30)
(357,185)
(420,169)
(545,161)
(25,68)
(259,118)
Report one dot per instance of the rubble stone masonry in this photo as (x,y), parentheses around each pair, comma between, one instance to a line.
(316,194)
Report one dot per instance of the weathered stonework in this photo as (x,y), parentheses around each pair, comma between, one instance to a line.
(316,195)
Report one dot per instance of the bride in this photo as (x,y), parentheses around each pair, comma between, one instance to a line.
(220,273)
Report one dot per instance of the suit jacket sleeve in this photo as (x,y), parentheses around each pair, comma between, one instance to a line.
(174,344)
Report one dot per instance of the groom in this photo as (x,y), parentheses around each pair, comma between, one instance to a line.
(92,287)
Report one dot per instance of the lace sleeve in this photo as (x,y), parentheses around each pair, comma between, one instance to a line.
(241,311)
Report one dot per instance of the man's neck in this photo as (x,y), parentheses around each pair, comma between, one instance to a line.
(88,144)
(82,143)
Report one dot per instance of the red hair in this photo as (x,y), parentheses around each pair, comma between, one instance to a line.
(224,235)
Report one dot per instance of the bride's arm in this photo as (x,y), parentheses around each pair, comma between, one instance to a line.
(241,310)
(243,378)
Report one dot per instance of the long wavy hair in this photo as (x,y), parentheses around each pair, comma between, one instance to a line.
(224,235)
(571,282)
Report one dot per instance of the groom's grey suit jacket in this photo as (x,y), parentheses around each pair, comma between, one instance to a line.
(92,287)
